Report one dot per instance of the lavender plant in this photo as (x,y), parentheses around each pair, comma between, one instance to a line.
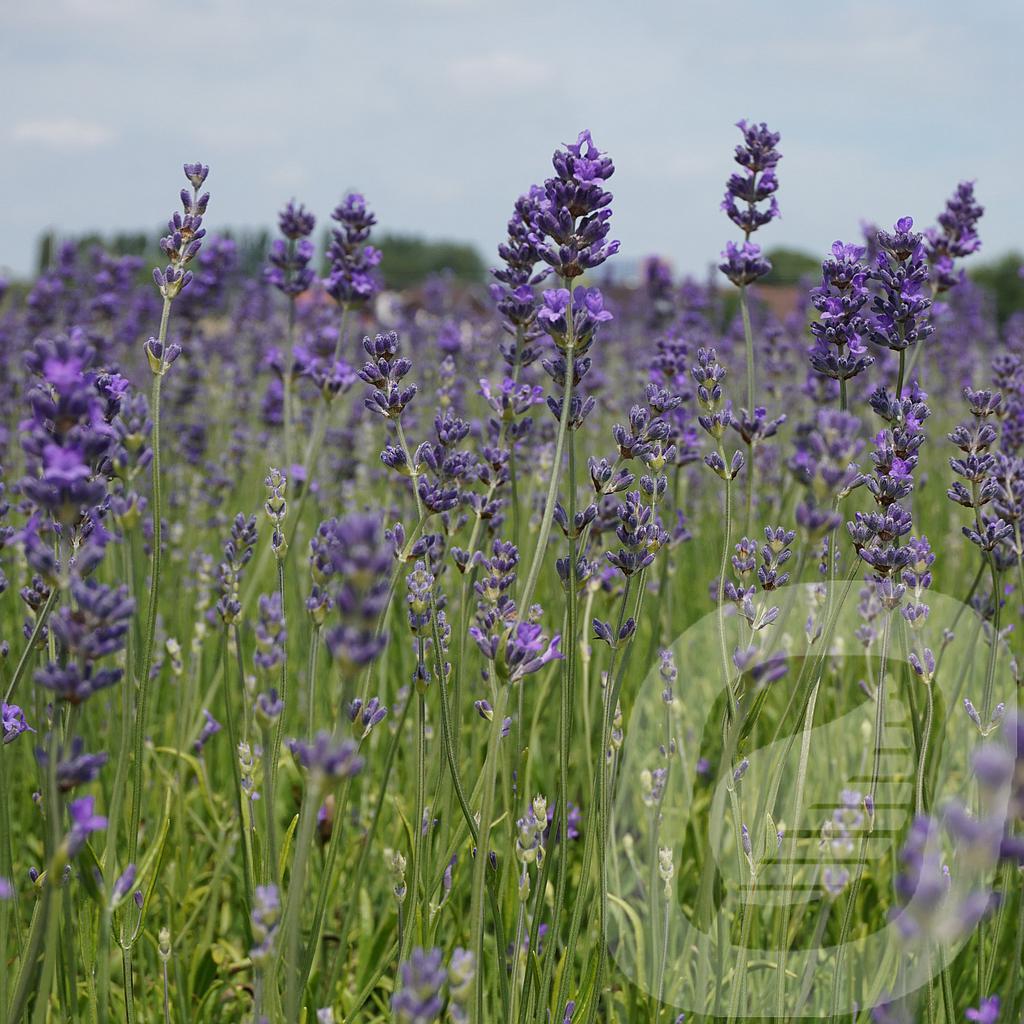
(362,737)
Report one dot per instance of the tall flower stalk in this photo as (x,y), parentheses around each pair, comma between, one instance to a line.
(745,193)
(574,219)
(879,540)
(839,351)
(900,309)
(288,270)
(180,245)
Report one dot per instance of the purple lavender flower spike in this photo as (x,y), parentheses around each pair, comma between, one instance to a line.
(75,767)
(352,276)
(352,566)
(987,1011)
(327,757)
(574,216)
(238,549)
(587,313)
(839,351)
(13,721)
(210,728)
(743,264)
(921,883)
(891,1012)
(185,233)
(296,221)
(384,373)
(271,634)
(97,623)
(758,157)
(68,439)
(269,706)
(266,917)
(123,883)
(288,267)
(900,310)
(418,996)
(640,535)
(955,237)
(84,821)
(461,972)
(513,290)
(95,627)
(366,716)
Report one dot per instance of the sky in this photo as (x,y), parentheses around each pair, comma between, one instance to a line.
(443,111)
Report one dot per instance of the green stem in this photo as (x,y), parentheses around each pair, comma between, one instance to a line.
(25,981)
(922,765)
(326,888)
(421,781)
(129,985)
(739,980)
(287,377)
(481,862)
(591,829)
(26,653)
(748,339)
(342,331)
(116,806)
(798,799)
(296,888)
(861,856)
(990,671)
(556,468)
(420,511)
(154,598)
(314,652)
(53,880)
(467,579)
(1006,874)
(103,964)
(6,862)
(229,719)
(607,781)
(450,753)
(567,697)
(282,686)
(723,569)
(367,847)
(1018,950)
(947,990)
(270,857)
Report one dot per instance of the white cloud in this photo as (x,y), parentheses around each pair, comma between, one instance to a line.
(288,174)
(497,73)
(67,134)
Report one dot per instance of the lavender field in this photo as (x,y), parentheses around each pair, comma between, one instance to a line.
(575,646)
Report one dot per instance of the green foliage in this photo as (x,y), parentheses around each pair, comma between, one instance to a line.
(791,266)
(1002,278)
(408,260)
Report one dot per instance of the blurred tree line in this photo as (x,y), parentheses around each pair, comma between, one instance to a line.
(1001,277)
(409,259)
